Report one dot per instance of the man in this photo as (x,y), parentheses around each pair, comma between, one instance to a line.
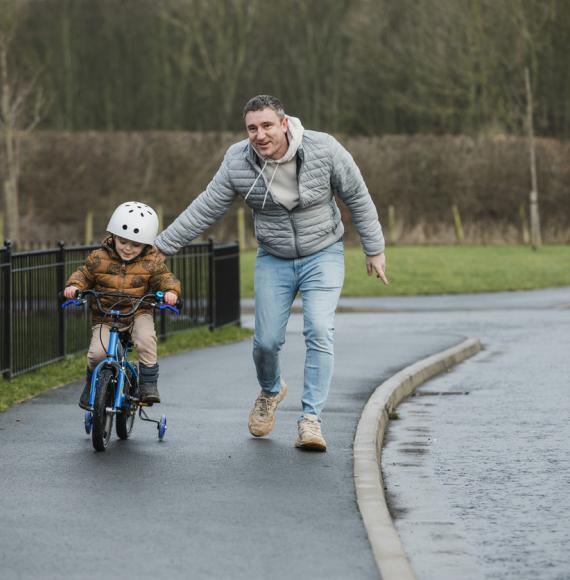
(289,176)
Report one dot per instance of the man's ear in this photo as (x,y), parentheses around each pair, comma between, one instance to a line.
(285,124)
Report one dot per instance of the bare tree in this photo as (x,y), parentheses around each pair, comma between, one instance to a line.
(218,34)
(20,105)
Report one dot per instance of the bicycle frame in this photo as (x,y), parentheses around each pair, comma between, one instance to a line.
(118,358)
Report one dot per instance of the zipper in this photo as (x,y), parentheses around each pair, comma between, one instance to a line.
(294,233)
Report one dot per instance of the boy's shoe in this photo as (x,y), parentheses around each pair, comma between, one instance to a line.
(310,436)
(262,416)
(84,398)
(148,379)
(149,393)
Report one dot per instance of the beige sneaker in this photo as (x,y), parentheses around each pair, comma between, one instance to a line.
(310,436)
(262,416)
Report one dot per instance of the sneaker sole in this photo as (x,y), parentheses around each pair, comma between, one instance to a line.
(311,446)
(268,428)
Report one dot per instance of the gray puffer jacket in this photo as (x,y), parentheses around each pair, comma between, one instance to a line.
(324,167)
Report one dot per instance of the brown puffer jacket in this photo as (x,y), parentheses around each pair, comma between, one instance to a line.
(105,271)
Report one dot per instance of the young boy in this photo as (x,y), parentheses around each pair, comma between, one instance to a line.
(126,262)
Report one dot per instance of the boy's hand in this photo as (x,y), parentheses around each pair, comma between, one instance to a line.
(70,291)
(170,298)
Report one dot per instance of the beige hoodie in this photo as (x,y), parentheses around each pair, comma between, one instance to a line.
(281,175)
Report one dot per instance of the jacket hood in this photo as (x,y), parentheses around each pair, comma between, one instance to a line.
(108,245)
(295,132)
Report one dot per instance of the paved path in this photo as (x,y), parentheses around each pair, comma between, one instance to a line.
(211,501)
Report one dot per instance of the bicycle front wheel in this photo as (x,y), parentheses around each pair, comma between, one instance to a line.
(103,410)
(126,417)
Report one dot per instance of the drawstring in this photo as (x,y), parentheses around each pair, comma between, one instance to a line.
(268,186)
(270,182)
(253,184)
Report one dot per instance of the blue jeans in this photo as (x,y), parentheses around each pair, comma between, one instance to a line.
(319,278)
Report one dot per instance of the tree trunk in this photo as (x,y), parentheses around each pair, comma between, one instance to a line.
(9,142)
(535,234)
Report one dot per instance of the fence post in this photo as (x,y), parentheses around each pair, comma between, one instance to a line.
(238,282)
(241,227)
(160,215)
(61,278)
(392,224)
(211,284)
(7,354)
(89,227)
(525,236)
(457,221)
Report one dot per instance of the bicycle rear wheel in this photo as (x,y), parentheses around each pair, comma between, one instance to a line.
(102,409)
(126,418)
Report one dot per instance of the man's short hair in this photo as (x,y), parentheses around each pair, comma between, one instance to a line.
(261,102)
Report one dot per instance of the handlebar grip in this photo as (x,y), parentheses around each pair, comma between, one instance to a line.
(159,295)
(169,307)
(73,301)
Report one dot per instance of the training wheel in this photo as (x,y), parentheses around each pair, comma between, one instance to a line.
(162,427)
(88,421)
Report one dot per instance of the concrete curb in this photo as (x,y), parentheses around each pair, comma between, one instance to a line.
(386,545)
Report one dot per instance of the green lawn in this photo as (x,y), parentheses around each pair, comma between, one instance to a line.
(73,368)
(416,270)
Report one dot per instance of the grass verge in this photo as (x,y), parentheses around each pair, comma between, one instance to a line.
(73,367)
(415,270)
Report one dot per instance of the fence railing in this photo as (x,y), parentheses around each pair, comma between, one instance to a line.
(35,331)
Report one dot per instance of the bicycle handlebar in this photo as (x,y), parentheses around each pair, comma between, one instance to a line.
(81,297)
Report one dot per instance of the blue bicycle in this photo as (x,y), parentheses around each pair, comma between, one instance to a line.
(115,380)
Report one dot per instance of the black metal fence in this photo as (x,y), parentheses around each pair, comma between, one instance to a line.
(35,331)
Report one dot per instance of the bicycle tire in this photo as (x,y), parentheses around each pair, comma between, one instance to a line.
(126,418)
(102,420)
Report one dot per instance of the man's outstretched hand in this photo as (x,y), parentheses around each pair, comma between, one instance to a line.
(377,264)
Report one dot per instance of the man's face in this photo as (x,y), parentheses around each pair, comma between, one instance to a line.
(267,133)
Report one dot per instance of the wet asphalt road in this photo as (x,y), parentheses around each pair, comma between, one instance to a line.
(211,501)
(478,484)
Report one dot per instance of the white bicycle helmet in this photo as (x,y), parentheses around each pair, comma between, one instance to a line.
(134,221)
